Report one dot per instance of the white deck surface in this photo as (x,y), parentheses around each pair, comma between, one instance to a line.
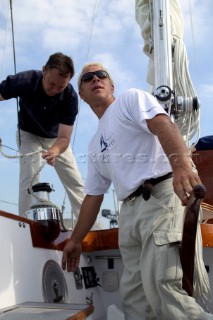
(41,311)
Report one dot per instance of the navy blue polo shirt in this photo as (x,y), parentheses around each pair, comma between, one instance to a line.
(39,113)
(205,143)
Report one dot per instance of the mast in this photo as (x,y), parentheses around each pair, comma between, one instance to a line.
(162,48)
(161,26)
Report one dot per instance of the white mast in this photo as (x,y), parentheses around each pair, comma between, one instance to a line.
(162,48)
(162,29)
(162,43)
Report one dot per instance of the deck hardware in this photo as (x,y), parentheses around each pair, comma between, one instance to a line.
(54,283)
(89,259)
(89,300)
(90,277)
(78,278)
(21,224)
(110,263)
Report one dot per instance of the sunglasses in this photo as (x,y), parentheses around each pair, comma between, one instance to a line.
(87,77)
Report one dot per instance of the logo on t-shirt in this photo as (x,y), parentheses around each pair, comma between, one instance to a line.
(103,144)
(106,144)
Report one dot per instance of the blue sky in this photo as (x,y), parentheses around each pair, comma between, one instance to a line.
(91,30)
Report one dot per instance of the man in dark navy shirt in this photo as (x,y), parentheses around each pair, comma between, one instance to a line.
(48,106)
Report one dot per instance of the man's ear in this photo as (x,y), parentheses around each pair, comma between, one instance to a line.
(43,70)
(81,95)
(112,88)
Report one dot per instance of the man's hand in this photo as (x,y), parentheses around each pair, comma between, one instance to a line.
(71,256)
(50,157)
(184,181)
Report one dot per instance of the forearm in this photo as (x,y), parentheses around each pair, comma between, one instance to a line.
(63,140)
(88,214)
(172,143)
(72,250)
(185,178)
(60,145)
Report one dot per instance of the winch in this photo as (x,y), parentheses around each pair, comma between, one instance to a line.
(43,211)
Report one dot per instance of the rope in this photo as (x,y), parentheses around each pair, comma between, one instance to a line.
(43,201)
(188,121)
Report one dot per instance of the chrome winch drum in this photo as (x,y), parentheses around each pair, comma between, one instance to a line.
(40,194)
(41,211)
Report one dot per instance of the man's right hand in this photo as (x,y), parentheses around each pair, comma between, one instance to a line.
(71,256)
(73,248)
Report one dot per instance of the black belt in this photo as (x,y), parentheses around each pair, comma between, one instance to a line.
(146,189)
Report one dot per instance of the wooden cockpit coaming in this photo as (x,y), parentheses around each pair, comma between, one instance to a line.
(95,240)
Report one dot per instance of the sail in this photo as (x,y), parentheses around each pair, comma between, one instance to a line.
(162,29)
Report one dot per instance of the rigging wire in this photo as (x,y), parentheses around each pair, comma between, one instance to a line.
(87,55)
(93,22)
(76,123)
(193,37)
(7,202)
(14,62)
(13,38)
(5,41)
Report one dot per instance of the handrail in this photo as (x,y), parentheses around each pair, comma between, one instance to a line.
(187,247)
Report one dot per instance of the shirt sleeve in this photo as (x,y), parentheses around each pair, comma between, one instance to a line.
(95,184)
(141,106)
(69,109)
(9,88)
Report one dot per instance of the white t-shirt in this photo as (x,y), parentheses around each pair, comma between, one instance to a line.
(123,150)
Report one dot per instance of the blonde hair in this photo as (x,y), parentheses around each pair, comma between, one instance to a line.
(90,64)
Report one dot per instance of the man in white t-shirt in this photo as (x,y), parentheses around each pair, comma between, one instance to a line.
(132,145)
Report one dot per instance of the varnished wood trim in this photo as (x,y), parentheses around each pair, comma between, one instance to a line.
(207,234)
(13,216)
(81,315)
(95,240)
(101,240)
(207,206)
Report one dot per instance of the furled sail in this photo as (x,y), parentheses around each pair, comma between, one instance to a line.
(161,24)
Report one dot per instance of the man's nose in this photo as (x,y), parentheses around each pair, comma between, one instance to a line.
(95,78)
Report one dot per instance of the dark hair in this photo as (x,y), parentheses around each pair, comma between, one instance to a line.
(62,63)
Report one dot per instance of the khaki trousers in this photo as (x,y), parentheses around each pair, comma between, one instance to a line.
(66,169)
(149,237)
